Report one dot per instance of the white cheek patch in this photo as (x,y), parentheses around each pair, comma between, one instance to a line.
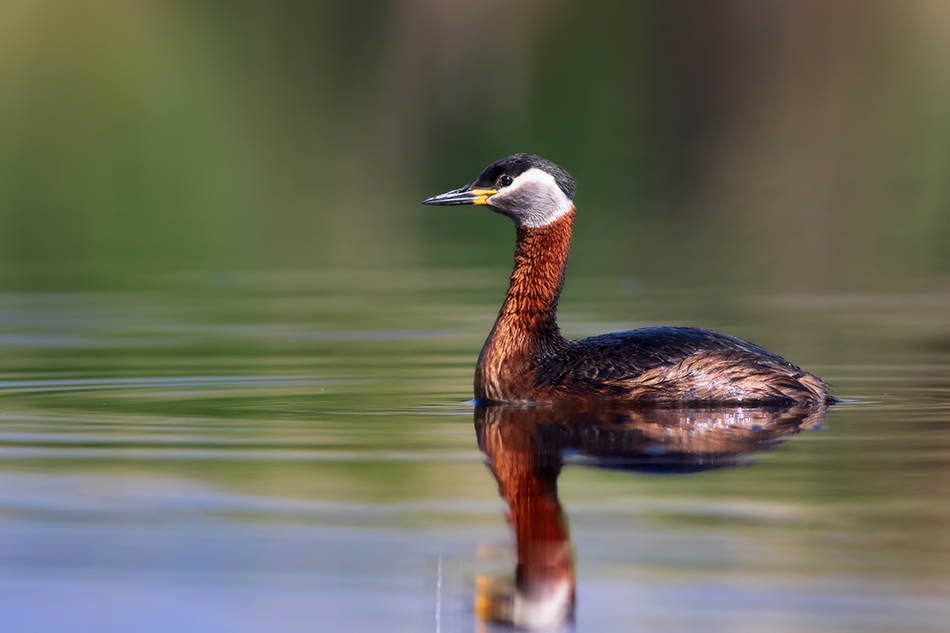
(534,199)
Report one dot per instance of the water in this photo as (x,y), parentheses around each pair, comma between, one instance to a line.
(295,452)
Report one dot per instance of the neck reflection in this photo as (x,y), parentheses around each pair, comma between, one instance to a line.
(526,449)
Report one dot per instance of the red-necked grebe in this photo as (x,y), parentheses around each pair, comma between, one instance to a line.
(525,358)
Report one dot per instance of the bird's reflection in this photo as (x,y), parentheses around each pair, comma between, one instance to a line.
(527,447)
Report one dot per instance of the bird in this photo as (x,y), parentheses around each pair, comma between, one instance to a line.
(526,359)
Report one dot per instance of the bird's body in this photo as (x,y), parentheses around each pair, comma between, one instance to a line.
(525,358)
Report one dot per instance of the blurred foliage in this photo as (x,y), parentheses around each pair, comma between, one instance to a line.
(794,143)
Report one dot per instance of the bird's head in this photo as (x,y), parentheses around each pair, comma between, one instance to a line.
(528,189)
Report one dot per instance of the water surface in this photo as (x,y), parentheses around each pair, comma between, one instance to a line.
(296,452)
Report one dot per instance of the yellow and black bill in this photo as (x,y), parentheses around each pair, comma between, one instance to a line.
(462,195)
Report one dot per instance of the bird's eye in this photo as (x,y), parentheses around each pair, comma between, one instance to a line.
(504,181)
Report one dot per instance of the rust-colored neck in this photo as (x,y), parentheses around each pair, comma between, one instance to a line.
(530,306)
(527,321)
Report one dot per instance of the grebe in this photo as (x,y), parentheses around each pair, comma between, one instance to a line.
(525,358)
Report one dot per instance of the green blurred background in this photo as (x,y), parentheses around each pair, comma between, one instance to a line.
(801,144)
